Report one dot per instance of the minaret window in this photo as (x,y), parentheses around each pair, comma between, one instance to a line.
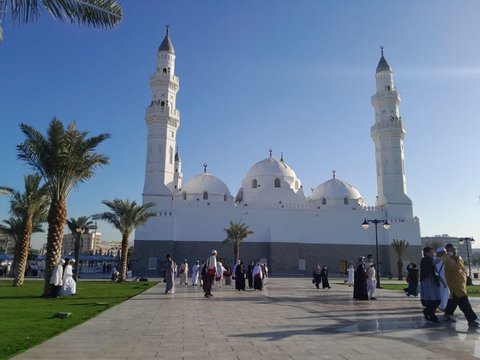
(205,195)
(277,183)
(170,155)
(225,197)
(162,104)
(254,183)
(164,71)
(345,200)
(324,201)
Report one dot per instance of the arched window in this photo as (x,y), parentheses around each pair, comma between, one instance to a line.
(162,103)
(164,70)
(324,201)
(254,183)
(184,196)
(345,200)
(205,195)
(277,183)
(225,197)
(170,155)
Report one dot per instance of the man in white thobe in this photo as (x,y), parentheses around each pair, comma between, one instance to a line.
(195,272)
(183,271)
(371,282)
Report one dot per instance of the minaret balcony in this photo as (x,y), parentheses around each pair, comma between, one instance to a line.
(162,111)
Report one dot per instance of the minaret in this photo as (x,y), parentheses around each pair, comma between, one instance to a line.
(388,134)
(163,120)
(178,176)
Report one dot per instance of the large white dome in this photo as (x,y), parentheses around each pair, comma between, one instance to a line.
(206,183)
(271,181)
(271,167)
(336,192)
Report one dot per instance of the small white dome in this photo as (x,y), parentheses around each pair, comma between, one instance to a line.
(336,190)
(206,183)
(271,167)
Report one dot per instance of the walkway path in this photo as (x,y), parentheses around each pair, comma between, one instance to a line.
(289,320)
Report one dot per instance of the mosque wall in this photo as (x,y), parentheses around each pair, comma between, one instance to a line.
(293,259)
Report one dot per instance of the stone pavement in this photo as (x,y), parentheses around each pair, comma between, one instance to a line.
(290,319)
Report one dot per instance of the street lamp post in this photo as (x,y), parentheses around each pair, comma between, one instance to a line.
(386,225)
(80,231)
(466,240)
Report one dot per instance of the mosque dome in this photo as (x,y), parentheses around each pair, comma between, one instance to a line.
(271,167)
(206,187)
(336,192)
(206,183)
(271,181)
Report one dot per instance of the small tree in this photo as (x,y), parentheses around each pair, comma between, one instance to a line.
(400,247)
(30,208)
(125,217)
(237,233)
(77,228)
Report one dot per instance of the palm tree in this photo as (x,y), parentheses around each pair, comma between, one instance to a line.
(64,158)
(125,217)
(400,247)
(77,228)
(237,233)
(97,13)
(30,208)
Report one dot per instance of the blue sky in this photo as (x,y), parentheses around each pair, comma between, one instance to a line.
(294,76)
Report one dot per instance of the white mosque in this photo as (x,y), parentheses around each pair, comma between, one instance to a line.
(292,232)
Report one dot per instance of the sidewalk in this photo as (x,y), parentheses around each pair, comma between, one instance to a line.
(290,319)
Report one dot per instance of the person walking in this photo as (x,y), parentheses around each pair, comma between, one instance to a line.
(195,273)
(169,275)
(211,267)
(429,285)
(317,275)
(324,275)
(444,291)
(56,280)
(412,279)
(250,274)
(219,274)
(371,281)
(257,274)
(240,276)
(183,271)
(69,286)
(351,273)
(360,281)
(456,277)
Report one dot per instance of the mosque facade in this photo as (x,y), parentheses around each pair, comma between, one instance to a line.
(291,231)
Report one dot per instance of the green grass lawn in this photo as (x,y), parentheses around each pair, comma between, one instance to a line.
(26,319)
(473,291)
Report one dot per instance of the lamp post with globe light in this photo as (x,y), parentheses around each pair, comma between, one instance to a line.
(465,241)
(366,223)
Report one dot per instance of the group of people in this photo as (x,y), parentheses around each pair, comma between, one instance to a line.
(364,279)
(61,281)
(320,275)
(443,282)
(211,272)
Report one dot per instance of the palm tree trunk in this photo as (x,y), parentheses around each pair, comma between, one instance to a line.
(57,218)
(78,238)
(400,268)
(21,262)
(236,251)
(123,260)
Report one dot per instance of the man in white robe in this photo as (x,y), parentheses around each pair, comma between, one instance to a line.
(183,271)
(69,286)
(195,272)
(371,282)
(56,280)
(444,291)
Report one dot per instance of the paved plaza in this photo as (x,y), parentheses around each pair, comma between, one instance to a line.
(290,319)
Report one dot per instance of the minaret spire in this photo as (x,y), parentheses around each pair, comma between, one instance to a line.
(388,134)
(167,26)
(381,46)
(205,168)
